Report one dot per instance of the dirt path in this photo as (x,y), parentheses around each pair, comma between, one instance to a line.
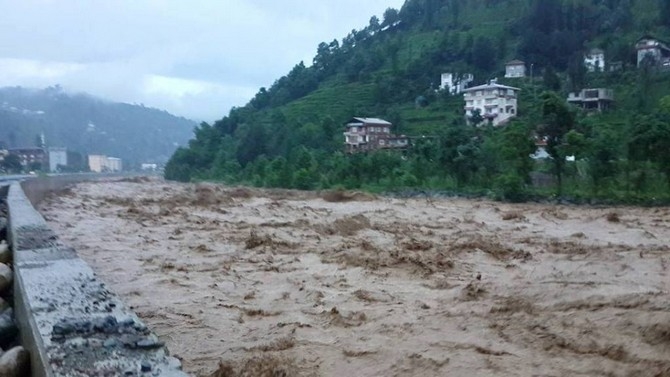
(353,285)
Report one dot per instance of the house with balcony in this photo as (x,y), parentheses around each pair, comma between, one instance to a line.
(515,69)
(595,99)
(654,50)
(369,134)
(594,60)
(496,103)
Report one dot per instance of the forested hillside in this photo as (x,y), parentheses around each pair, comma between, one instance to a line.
(290,134)
(89,125)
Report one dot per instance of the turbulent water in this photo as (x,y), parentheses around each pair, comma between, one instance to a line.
(337,284)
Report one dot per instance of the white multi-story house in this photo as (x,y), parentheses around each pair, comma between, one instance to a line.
(496,103)
(455,83)
(515,69)
(595,60)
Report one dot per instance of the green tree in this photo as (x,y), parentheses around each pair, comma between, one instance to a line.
(551,80)
(516,147)
(12,164)
(252,143)
(602,157)
(374,24)
(650,141)
(476,118)
(558,120)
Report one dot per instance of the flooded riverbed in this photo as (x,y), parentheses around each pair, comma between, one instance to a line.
(334,284)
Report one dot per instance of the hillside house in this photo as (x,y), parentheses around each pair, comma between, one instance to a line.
(658,51)
(32,158)
(594,60)
(595,99)
(455,83)
(515,69)
(496,103)
(369,134)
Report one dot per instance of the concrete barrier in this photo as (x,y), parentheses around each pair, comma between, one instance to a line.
(68,320)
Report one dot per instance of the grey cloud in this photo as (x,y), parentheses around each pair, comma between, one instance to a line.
(236,46)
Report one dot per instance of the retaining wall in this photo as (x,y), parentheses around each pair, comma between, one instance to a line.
(68,320)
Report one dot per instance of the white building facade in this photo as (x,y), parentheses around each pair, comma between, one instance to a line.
(595,60)
(57,157)
(114,164)
(100,163)
(455,83)
(495,103)
(515,69)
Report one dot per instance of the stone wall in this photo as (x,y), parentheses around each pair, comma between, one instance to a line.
(69,321)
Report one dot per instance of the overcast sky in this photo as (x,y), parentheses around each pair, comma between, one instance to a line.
(194,58)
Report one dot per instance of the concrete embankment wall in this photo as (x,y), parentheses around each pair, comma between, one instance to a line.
(68,320)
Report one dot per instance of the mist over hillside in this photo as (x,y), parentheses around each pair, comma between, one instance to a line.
(89,125)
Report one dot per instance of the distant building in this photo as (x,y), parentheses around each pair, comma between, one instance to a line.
(57,157)
(515,69)
(594,61)
(615,66)
(496,103)
(32,158)
(101,163)
(97,163)
(149,167)
(454,83)
(114,164)
(653,49)
(368,134)
(596,99)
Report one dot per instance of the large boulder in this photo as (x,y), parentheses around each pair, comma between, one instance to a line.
(3,305)
(5,278)
(8,329)
(15,363)
(5,253)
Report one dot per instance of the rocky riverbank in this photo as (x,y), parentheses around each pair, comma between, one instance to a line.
(14,359)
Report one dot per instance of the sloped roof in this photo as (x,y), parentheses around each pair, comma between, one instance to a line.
(369,121)
(516,62)
(490,86)
(651,37)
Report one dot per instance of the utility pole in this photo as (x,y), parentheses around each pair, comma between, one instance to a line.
(532,83)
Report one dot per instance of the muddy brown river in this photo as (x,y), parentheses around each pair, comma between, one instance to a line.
(249,282)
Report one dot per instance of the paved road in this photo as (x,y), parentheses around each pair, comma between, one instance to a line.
(9,178)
